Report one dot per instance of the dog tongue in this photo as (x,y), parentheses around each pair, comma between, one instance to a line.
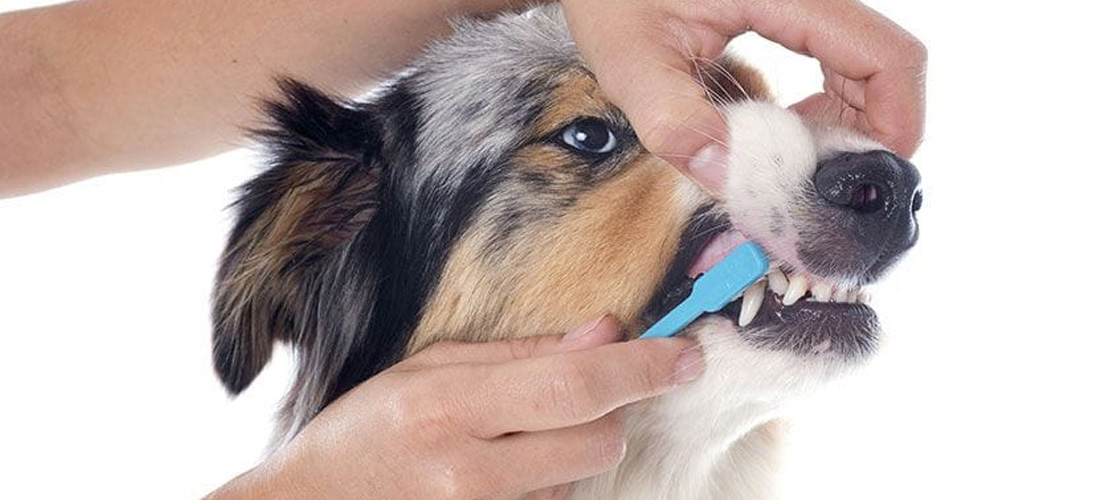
(720,246)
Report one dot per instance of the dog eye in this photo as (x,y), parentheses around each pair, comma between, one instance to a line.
(589,135)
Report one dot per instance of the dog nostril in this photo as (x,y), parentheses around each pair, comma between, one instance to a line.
(866,199)
(918,200)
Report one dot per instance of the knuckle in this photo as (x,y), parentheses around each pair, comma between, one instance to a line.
(573,392)
(470,479)
(449,469)
(524,348)
(415,409)
(394,404)
(913,51)
(655,372)
(918,51)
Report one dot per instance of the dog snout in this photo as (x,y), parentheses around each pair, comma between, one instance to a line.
(879,193)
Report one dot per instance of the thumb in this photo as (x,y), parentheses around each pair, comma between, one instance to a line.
(646,69)
(675,121)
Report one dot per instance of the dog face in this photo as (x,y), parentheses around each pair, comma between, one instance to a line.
(492,191)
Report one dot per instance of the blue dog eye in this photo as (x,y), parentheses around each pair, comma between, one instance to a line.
(589,135)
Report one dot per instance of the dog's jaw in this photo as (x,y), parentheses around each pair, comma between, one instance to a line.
(500,230)
(718,437)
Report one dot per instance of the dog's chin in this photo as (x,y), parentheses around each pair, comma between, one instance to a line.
(844,332)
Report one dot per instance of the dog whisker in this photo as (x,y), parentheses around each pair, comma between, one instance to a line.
(485,193)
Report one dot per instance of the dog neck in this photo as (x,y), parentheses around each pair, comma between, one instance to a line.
(688,445)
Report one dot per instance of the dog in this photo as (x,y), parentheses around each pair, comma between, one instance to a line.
(491,190)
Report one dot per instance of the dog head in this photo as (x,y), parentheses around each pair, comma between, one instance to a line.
(491,190)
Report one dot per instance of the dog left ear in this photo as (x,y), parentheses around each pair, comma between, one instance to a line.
(321,189)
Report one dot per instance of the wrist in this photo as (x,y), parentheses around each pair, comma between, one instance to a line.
(279,477)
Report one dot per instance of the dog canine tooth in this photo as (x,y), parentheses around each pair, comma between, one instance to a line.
(796,290)
(750,303)
(507,215)
(863,297)
(777,282)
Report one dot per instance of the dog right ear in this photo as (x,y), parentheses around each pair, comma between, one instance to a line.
(321,189)
(729,79)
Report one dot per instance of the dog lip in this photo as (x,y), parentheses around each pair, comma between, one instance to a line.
(806,327)
(850,331)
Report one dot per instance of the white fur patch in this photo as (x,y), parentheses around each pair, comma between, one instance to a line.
(706,440)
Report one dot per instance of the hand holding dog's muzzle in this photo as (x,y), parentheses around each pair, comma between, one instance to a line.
(648,55)
(525,417)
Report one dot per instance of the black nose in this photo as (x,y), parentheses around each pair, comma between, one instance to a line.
(878,193)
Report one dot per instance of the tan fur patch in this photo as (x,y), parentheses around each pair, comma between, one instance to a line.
(606,255)
(751,80)
(578,95)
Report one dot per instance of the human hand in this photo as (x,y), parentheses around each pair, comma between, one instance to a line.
(643,52)
(494,420)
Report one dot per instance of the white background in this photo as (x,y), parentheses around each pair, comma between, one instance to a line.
(987,387)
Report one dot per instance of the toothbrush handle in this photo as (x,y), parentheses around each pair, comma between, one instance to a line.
(675,320)
(729,278)
(717,287)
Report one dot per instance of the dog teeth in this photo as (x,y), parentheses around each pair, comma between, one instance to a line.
(777,282)
(822,292)
(792,288)
(796,290)
(751,302)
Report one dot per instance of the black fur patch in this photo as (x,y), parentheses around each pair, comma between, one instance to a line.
(317,148)
(705,223)
(350,295)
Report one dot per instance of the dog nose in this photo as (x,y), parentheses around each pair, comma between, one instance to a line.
(880,194)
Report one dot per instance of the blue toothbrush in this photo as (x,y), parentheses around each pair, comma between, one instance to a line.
(717,287)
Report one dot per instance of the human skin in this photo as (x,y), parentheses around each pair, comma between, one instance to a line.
(489,421)
(643,53)
(102,86)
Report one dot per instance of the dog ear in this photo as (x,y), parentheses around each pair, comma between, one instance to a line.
(730,79)
(321,189)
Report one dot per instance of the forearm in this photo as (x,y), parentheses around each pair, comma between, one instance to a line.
(110,85)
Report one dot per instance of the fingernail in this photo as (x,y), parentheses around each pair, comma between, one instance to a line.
(689,365)
(708,166)
(583,330)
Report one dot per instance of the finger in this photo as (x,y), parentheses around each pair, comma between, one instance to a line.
(549,459)
(826,108)
(861,45)
(851,92)
(645,67)
(568,389)
(559,492)
(597,332)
